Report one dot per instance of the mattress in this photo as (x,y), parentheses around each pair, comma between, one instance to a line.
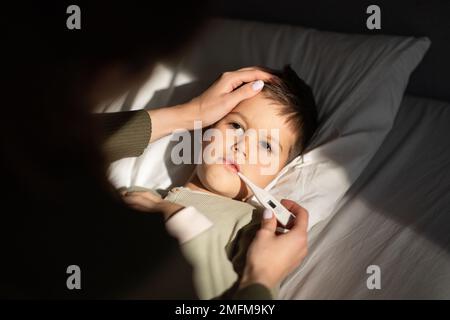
(392,224)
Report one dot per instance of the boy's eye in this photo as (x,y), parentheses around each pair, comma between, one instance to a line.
(267,146)
(236,126)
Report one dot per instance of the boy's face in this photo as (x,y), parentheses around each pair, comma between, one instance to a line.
(256,141)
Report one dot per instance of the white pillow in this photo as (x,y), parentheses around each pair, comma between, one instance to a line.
(358,82)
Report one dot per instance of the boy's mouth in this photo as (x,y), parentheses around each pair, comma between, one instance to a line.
(231,165)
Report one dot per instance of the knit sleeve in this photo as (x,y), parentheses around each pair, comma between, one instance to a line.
(126,134)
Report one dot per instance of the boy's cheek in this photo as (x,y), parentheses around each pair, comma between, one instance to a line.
(254,174)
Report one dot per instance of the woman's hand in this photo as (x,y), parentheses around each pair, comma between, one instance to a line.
(212,105)
(148,202)
(271,257)
(221,97)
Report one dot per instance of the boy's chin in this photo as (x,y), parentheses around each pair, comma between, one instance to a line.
(220,180)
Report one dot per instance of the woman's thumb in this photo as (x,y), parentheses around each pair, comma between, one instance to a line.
(246,91)
(268,221)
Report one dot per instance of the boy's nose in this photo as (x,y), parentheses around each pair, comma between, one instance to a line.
(242,146)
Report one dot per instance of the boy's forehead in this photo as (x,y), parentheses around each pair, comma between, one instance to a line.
(262,112)
(257,104)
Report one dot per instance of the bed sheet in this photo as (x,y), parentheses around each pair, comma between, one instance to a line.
(396,217)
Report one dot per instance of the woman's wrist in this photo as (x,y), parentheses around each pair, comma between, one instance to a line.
(251,276)
(168,119)
(168,208)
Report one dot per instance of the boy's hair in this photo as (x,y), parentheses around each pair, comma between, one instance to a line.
(297,99)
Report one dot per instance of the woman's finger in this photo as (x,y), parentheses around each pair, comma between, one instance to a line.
(138,200)
(301,215)
(269,222)
(245,92)
(129,199)
(235,79)
(146,194)
(249,68)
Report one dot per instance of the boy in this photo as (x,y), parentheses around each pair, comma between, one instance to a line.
(285,106)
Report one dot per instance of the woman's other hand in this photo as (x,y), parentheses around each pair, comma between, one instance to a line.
(148,202)
(271,256)
(212,105)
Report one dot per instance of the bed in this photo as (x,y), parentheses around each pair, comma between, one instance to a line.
(397,213)
(385,214)
(396,216)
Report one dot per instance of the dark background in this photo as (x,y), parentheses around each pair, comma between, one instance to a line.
(429,18)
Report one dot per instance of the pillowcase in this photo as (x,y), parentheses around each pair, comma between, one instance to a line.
(358,82)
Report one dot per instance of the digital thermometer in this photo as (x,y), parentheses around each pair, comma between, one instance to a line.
(283,215)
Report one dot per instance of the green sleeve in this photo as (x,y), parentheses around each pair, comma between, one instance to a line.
(126,134)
